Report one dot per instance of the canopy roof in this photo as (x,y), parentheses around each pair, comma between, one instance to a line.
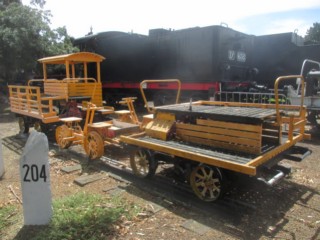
(78,57)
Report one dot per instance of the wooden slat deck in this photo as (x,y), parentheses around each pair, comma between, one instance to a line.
(222,113)
(216,157)
(216,153)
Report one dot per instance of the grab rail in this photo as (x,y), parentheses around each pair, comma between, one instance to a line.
(144,83)
(276,90)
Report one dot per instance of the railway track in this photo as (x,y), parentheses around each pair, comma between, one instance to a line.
(168,187)
(244,195)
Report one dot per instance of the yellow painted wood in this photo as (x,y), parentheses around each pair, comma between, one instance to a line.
(230,125)
(74,57)
(159,128)
(222,130)
(53,119)
(146,119)
(213,161)
(220,144)
(276,151)
(29,101)
(234,136)
(223,138)
(72,88)
(122,112)
(165,116)
(100,125)
(49,114)
(70,119)
(26,100)
(242,104)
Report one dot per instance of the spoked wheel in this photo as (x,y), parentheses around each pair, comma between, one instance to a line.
(23,125)
(63,132)
(312,117)
(143,163)
(206,182)
(40,127)
(94,145)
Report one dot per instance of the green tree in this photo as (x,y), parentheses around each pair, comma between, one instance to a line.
(25,36)
(40,3)
(6,3)
(313,33)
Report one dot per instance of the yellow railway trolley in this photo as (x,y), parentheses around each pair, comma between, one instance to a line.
(41,101)
(208,138)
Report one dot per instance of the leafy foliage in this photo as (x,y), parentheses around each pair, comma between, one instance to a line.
(313,33)
(25,36)
(41,3)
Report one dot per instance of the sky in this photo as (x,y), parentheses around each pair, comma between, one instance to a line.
(138,16)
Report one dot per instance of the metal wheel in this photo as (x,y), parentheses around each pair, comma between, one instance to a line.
(38,126)
(63,132)
(23,125)
(94,145)
(206,182)
(312,117)
(142,163)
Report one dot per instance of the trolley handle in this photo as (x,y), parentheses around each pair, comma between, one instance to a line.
(143,85)
(276,91)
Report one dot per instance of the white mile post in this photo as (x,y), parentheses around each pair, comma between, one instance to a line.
(35,180)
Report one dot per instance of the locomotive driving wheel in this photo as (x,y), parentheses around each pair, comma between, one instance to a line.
(206,182)
(63,133)
(143,163)
(94,145)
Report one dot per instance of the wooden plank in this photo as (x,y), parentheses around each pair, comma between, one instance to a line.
(52,119)
(70,119)
(196,227)
(230,125)
(219,130)
(49,114)
(72,168)
(55,88)
(28,113)
(48,98)
(219,144)
(100,125)
(217,137)
(86,179)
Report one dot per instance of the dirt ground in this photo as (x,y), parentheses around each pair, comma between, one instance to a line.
(288,210)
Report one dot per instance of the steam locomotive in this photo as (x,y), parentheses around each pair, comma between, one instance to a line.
(205,59)
(280,55)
